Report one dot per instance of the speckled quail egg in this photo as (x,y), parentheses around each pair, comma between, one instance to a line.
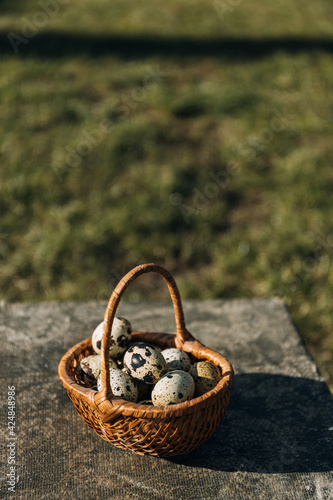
(121,334)
(205,375)
(176,359)
(122,386)
(120,364)
(175,387)
(88,369)
(144,362)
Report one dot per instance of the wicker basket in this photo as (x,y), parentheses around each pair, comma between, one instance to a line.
(144,429)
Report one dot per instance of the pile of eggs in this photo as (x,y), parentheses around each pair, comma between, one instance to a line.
(144,374)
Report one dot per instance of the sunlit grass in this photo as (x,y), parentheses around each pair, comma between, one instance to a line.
(217,167)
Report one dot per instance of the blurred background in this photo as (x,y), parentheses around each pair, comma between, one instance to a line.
(194,134)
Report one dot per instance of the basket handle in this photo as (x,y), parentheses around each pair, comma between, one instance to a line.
(182,335)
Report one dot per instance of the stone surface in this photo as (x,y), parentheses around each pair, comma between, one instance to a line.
(274,443)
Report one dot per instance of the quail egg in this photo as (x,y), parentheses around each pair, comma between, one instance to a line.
(175,387)
(122,386)
(88,369)
(176,359)
(144,362)
(120,364)
(121,334)
(206,376)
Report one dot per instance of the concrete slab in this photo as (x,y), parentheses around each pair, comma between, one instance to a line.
(274,443)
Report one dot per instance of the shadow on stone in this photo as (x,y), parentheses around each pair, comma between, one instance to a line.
(274,424)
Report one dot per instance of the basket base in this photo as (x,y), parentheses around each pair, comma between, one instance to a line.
(170,437)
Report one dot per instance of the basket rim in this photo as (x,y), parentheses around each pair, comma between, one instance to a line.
(120,406)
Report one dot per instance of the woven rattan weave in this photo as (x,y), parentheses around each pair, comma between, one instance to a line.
(145,429)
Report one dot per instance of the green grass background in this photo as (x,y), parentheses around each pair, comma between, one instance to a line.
(189,91)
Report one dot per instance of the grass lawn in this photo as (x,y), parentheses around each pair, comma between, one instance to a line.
(194,134)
